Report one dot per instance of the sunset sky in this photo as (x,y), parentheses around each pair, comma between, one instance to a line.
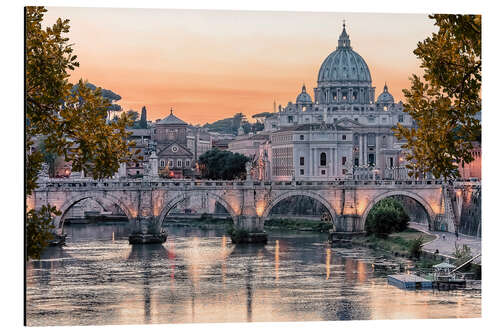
(209,65)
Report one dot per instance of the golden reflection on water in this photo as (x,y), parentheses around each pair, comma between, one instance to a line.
(277,260)
(223,266)
(327,263)
(361,271)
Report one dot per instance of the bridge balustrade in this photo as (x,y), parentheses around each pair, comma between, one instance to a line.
(85,183)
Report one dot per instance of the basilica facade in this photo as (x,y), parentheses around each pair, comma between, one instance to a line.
(343,129)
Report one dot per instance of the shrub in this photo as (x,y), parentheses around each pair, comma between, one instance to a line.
(237,235)
(415,247)
(462,254)
(387,216)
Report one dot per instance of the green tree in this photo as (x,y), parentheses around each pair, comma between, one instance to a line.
(143,123)
(446,103)
(133,115)
(67,123)
(222,164)
(386,216)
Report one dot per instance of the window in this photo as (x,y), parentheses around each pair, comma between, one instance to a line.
(170,163)
(322,159)
(301,171)
(391,162)
(290,119)
(401,118)
(174,149)
(323,172)
(187,163)
(162,163)
(356,161)
(371,139)
(137,172)
(344,171)
(301,137)
(344,160)
(179,163)
(344,137)
(371,159)
(302,160)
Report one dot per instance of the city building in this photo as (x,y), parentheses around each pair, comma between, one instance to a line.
(248,145)
(174,157)
(142,139)
(342,130)
(472,169)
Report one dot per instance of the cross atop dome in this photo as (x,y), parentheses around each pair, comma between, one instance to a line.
(344,41)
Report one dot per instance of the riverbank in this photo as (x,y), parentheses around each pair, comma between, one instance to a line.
(204,222)
(397,244)
(297,224)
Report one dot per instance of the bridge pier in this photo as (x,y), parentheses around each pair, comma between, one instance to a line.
(346,226)
(248,230)
(147,230)
(249,225)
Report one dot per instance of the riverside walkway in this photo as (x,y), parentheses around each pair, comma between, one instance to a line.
(446,245)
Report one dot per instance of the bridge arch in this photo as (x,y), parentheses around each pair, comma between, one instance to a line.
(179,198)
(293,193)
(428,209)
(102,198)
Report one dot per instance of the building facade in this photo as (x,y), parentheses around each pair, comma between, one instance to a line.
(342,129)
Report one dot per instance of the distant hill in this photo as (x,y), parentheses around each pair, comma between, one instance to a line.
(231,125)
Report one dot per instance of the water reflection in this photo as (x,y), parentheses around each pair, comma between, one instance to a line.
(98,278)
(327,262)
(277,260)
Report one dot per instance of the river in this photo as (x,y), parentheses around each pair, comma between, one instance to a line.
(198,276)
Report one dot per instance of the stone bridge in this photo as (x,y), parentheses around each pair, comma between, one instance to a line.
(147,202)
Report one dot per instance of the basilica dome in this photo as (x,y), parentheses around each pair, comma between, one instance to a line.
(385,97)
(344,64)
(304,97)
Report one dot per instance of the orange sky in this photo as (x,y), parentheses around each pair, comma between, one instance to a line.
(209,65)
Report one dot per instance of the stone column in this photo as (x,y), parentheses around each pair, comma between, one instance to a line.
(332,165)
(361,155)
(313,164)
(365,148)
